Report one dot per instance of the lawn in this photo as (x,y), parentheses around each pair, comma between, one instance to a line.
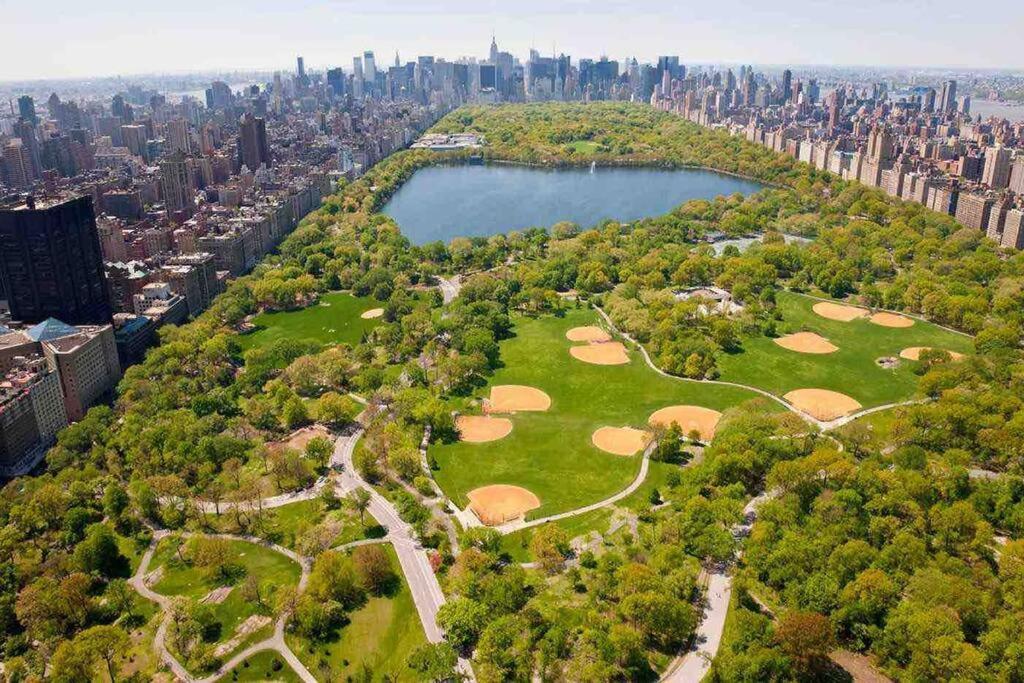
(273,570)
(584,146)
(267,665)
(334,320)
(379,636)
(517,544)
(284,525)
(551,453)
(850,370)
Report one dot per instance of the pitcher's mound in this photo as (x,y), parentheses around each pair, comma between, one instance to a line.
(372,313)
(914,353)
(607,353)
(499,503)
(840,312)
(590,333)
(806,342)
(891,320)
(689,418)
(511,398)
(482,428)
(621,440)
(822,403)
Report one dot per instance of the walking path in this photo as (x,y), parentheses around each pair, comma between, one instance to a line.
(423,584)
(275,642)
(823,425)
(519,524)
(449,287)
(694,664)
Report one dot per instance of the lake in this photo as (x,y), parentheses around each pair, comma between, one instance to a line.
(444,202)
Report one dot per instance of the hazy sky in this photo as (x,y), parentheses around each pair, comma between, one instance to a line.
(62,38)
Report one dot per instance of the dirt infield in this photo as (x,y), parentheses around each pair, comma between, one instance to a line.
(914,353)
(806,342)
(822,403)
(606,353)
(840,312)
(621,440)
(511,398)
(482,428)
(891,320)
(500,503)
(590,333)
(689,418)
(372,313)
(300,438)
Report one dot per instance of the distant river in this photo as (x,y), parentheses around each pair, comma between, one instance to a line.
(444,202)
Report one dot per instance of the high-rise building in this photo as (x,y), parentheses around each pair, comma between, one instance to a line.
(18,163)
(252,142)
(928,101)
(336,79)
(369,68)
(51,264)
(178,139)
(947,102)
(31,410)
(787,85)
(27,109)
(176,183)
(358,85)
(997,168)
(301,67)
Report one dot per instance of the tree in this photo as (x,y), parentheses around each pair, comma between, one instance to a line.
(434,662)
(319,449)
(121,597)
(550,546)
(806,638)
(664,620)
(106,643)
(359,499)
(294,413)
(98,552)
(462,620)
(373,565)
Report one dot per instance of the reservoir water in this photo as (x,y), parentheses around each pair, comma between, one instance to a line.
(444,202)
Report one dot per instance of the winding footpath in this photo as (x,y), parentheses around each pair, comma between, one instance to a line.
(275,642)
(823,425)
(694,664)
(519,524)
(412,556)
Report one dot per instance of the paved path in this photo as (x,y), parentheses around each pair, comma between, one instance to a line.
(423,584)
(694,664)
(519,524)
(823,425)
(449,287)
(275,642)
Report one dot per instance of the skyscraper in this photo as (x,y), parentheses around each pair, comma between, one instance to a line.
(947,102)
(51,264)
(787,85)
(997,167)
(369,68)
(252,142)
(176,182)
(27,109)
(301,67)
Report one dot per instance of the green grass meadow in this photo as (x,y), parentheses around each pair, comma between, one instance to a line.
(380,636)
(851,370)
(550,453)
(334,320)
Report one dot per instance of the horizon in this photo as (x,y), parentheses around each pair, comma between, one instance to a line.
(108,40)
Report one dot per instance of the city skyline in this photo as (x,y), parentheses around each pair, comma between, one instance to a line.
(104,39)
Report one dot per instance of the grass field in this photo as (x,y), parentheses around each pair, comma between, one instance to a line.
(263,666)
(517,544)
(850,370)
(335,320)
(379,636)
(285,524)
(272,569)
(550,453)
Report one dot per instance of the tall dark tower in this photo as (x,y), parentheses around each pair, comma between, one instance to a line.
(252,142)
(51,264)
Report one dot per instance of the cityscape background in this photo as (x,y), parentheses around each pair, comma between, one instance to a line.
(107,37)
